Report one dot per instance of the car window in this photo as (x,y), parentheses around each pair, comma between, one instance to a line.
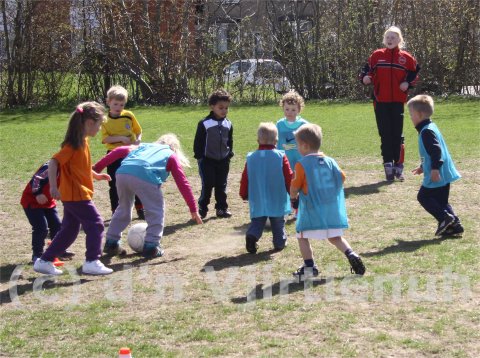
(238,67)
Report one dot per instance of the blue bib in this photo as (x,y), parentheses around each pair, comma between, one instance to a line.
(286,139)
(324,205)
(267,195)
(148,162)
(448,172)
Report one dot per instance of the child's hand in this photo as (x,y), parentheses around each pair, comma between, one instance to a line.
(367,80)
(101,176)
(197,218)
(417,171)
(54,193)
(435,175)
(404,86)
(41,199)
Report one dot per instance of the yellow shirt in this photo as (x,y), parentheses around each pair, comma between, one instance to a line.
(124,125)
(76,179)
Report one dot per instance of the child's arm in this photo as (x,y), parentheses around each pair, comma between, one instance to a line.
(100,176)
(287,173)
(298,182)
(230,142)
(434,150)
(199,142)
(117,139)
(244,184)
(136,129)
(114,155)
(174,167)
(52,175)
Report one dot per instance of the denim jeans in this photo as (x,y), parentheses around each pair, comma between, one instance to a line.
(278,229)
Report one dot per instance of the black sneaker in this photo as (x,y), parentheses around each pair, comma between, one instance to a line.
(445,224)
(141,214)
(251,244)
(202,213)
(356,264)
(67,255)
(151,251)
(456,229)
(113,248)
(305,272)
(223,213)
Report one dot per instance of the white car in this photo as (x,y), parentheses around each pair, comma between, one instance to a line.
(257,72)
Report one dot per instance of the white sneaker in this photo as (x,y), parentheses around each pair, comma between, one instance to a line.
(95,268)
(46,267)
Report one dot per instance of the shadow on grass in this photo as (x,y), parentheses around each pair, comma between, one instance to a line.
(25,288)
(239,260)
(138,261)
(408,246)
(366,189)
(278,288)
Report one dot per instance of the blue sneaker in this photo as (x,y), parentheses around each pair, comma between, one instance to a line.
(113,248)
(152,250)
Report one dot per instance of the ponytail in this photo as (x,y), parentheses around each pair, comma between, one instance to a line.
(171,140)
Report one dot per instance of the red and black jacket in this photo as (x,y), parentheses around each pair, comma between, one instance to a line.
(39,184)
(388,69)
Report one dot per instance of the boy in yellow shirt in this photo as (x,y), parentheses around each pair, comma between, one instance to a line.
(120,128)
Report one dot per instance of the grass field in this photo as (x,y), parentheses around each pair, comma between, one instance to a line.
(208,297)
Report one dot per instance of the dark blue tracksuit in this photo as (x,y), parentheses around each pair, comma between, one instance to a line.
(213,148)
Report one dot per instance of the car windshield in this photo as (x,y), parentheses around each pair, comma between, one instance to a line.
(239,66)
(269,70)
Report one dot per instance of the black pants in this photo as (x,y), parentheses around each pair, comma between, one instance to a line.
(111,170)
(214,174)
(389,116)
(435,201)
(43,221)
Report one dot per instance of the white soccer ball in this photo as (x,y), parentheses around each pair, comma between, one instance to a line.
(136,236)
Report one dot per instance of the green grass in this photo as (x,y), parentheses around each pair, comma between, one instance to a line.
(182,317)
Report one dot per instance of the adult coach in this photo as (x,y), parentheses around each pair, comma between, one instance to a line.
(392,72)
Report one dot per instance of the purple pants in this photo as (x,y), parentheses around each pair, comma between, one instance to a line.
(76,213)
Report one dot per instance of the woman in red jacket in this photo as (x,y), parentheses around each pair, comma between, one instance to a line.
(392,72)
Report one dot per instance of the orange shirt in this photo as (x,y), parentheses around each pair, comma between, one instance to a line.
(76,180)
(299,181)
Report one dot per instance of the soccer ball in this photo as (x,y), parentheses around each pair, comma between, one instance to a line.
(136,236)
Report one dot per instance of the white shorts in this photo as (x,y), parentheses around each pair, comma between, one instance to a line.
(319,234)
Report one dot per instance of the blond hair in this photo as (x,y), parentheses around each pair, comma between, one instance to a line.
(293,97)
(118,93)
(422,103)
(267,133)
(397,31)
(310,134)
(172,141)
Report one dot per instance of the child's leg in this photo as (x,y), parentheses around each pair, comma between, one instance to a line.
(355,261)
(340,243)
(123,214)
(111,170)
(36,218)
(433,201)
(278,231)
(222,169)
(67,235)
(207,176)
(53,220)
(305,249)
(92,224)
(256,227)
(152,198)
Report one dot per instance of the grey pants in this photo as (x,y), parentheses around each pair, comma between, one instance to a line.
(152,198)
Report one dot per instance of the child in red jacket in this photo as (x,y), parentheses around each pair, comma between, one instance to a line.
(41,211)
(392,71)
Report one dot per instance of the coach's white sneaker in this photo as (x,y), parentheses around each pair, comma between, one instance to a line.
(95,268)
(46,267)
